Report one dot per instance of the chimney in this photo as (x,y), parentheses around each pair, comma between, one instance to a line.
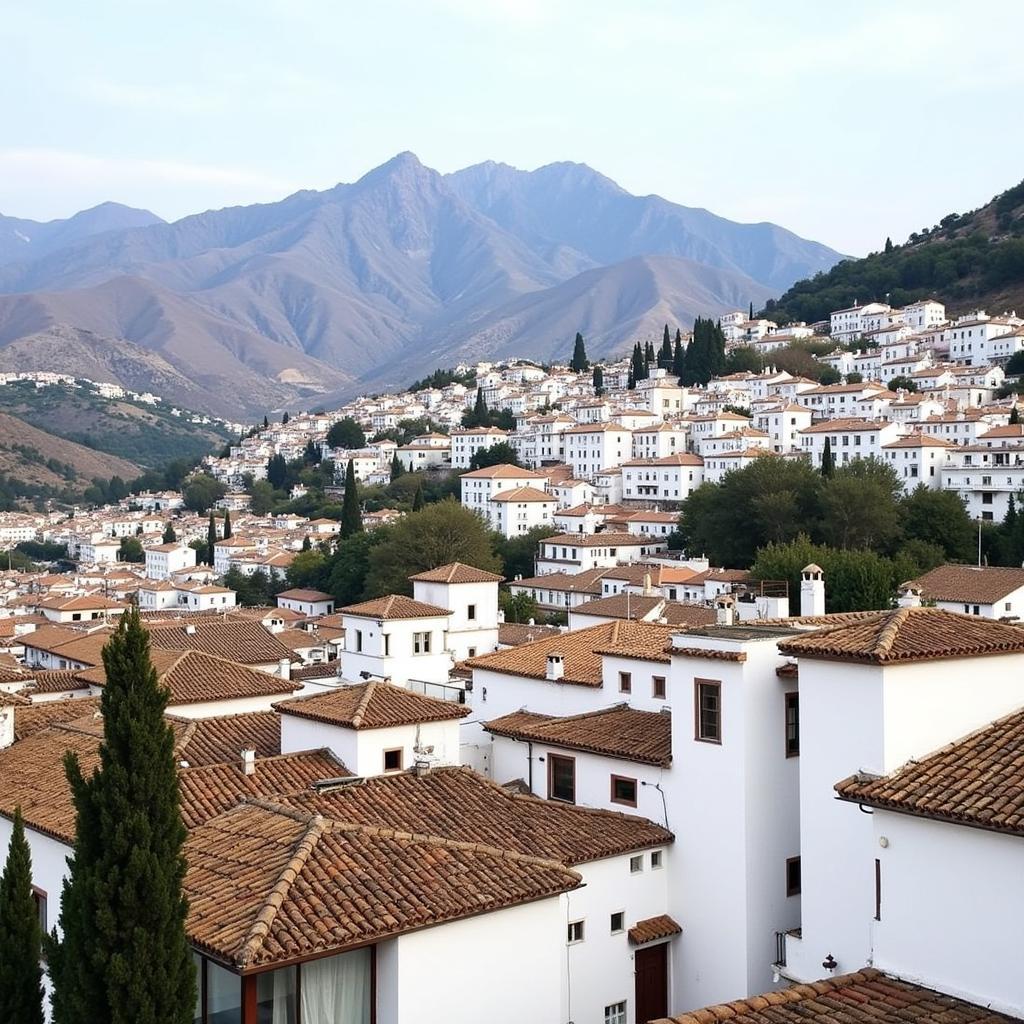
(248,761)
(284,668)
(910,597)
(812,590)
(555,666)
(6,726)
(725,610)
(190,630)
(647,584)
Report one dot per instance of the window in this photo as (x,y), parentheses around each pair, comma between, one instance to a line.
(655,860)
(793,876)
(878,889)
(561,778)
(359,640)
(575,932)
(618,922)
(623,790)
(39,899)
(471,612)
(387,643)
(421,643)
(658,687)
(470,652)
(792,724)
(708,711)
(625,682)
(615,1014)
(393,760)
(636,864)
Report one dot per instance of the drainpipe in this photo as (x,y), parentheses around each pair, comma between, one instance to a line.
(529,763)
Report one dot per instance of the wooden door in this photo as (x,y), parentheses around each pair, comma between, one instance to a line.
(650,966)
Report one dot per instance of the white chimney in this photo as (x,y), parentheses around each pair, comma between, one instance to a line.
(190,630)
(284,668)
(910,597)
(248,761)
(555,666)
(812,590)
(647,584)
(6,726)
(725,610)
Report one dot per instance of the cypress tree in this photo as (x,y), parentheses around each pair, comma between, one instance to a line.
(417,498)
(828,460)
(266,423)
(21,986)
(888,244)
(123,957)
(1014,415)
(665,355)
(630,380)
(649,356)
(307,544)
(397,469)
(285,418)
(678,358)
(639,367)
(351,520)
(750,315)
(277,471)
(211,538)
(227,523)
(598,381)
(679,336)
(579,362)
(169,535)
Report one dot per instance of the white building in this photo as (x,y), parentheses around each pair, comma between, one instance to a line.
(164,559)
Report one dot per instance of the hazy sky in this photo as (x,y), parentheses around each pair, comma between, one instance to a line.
(842,121)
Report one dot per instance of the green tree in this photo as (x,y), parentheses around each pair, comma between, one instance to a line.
(579,362)
(518,553)
(678,357)
(888,244)
(211,538)
(638,364)
(307,569)
(665,355)
(346,434)
(169,535)
(21,977)
(201,492)
(744,359)
(855,378)
(417,498)
(939,518)
(598,380)
(285,418)
(351,517)
(826,375)
(345,571)
(902,383)
(311,454)
(227,523)
(1014,415)
(261,498)
(397,469)
(439,533)
(277,471)
(518,607)
(131,550)
(1015,364)
(860,506)
(828,459)
(123,957)
(498,454)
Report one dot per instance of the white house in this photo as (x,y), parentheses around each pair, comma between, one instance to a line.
(471,595)
(669,478)
(163,559)
(312,603)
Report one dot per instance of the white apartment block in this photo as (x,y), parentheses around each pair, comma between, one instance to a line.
(589,449)
(467,442)
(668,479)
(481,486)
(917,459)
(848,324)
(850,439)
(164,559)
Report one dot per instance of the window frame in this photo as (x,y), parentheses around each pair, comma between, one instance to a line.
(400,751)
(471,612)
(615,1013)
(636,864)
(793,890)
(569,760)
(698,685)
(621,915)
(659,692)
(576,926)
(625,682)
(421,642)
(657,860)
(791,700)
(41,901)
(622,802)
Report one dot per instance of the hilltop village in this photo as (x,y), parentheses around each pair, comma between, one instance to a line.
(596,774)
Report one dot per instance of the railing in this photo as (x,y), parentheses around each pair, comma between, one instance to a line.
(440,691)
(780,949)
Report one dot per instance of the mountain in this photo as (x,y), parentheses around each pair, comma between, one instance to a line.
(30,239)
(267,305)
(973,260)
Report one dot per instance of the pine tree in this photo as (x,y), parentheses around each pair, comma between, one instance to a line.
(285,418)
(649,357)
(750,315)
(351,520)
(211,538)
(227,523)
(598,381)
(638,369)
(277,471)
(665,355)
(828,460)
(579,362)
(169,535)
(1014,415)
(123,957)
(888,245)
(397,469)
(266,423)
(21,987)
(678,357)
(417,498)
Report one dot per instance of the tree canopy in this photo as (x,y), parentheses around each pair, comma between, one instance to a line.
(347,434)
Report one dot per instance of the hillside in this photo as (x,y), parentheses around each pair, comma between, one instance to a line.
(130,434)
(970,261)
(37,464)
(267,305)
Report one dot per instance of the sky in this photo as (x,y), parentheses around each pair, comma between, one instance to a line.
(845,122)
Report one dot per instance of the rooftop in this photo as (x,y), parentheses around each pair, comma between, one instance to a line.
(395,606)
(457,572)
(372,705)
(968,584)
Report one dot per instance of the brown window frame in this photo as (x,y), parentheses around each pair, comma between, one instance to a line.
(636,788)
(792,890)
(625,682)
(697,684)
(400,751)
(659,692)
(791,699)
(552,758)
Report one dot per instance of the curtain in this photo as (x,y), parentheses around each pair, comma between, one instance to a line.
(223,995)
(275,997)
(336,990)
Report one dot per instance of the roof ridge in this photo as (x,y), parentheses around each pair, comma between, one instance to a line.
(364,703)
(187,734)
(260,929)
(892,624)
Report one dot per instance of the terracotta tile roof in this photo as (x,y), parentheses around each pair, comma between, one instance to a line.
(14,699)
(908,634)
(683,613)
(619,731)
(255,873)
(193,677)
(588,581)
(395,606)
(41,715)
(320,669)
(977,780)
(866,997)
(372,705)
(51,638)
(57,681)
(248,643)
(579,650)
(222,738)
(844,424)
(596,540)
(457,572)
(459,804)
(653,928)
(209,790)
(298,594)
(13,672)
(514,494)
(502,472)
(512,634)
(968,584)
(620,606)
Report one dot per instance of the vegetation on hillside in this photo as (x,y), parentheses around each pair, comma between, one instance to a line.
(971,259)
